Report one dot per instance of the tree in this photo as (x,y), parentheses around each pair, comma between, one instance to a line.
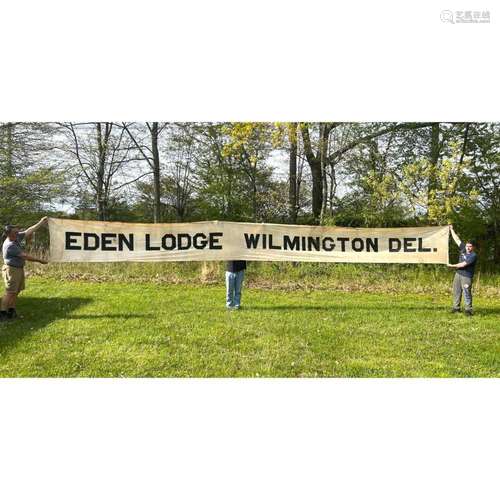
(248,148)
(481,146)
(101,156)
(31,178)
(293,184)
(317,157)
(374,197)
(152,156)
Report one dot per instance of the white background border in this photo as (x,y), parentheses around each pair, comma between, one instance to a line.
(226,60)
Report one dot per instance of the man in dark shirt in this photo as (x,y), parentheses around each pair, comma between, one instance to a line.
(14,258)
(235,270)
(465,272)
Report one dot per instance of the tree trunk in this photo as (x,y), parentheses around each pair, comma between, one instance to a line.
(317,175)
(433,159)
(9,160)
(292,190)
(252,168)
(464,146)
(332,188)
(496,243)
(100,191)
(156,173)
(324,134)
(317,190)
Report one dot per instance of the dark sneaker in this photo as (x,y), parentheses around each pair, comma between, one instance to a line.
(11,314)
(469,312)
(455,311)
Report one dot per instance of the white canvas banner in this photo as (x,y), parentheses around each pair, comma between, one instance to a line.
(96,241)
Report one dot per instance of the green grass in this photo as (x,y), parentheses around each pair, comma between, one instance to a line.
(108,329)
(400,278)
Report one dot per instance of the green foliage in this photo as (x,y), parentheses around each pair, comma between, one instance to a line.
(233,176)
(29,181)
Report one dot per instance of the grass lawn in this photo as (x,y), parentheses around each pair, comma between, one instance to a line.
(81,329)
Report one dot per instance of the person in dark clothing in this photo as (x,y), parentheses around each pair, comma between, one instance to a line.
(465,272)
(235,270)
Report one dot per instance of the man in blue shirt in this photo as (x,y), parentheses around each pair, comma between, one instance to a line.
(14,258)
(465,272)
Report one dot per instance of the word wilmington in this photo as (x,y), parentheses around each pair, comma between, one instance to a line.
(118,242)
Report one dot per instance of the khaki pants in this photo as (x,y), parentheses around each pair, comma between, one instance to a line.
(13,278)
(462,284)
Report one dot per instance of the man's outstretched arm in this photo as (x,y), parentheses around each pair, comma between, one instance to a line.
(37,226)
(31,258)
(460,265)
(455,237)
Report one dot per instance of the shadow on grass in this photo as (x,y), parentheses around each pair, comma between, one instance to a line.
(333,308)
(110,316)
(36,313)
(341,307)
(482,311)
(487,311)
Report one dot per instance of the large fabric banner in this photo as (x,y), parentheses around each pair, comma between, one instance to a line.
(95,241)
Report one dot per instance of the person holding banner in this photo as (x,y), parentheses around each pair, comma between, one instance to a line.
(14,258)
(235,270)
(465,272)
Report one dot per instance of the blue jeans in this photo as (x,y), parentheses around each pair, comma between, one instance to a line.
(234,281)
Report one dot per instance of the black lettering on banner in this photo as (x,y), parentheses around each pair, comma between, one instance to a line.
(252,240)
(148,244)
(164,242)
(313,241)
(372,244)
(71,242)
(122,240)
(291,244)
(343,241)
(107,242)
(421,247)
(408,242)
(214,241)
(180,244)
(271,246)
(394,244)
(200,241)
(332,244)
(86,241)
(358,245)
